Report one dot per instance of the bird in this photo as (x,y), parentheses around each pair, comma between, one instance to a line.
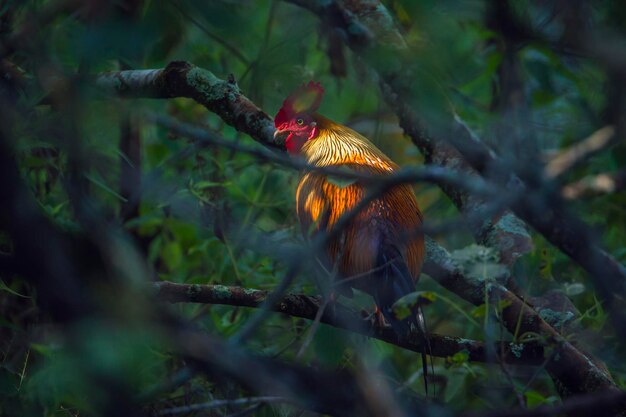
(380,250)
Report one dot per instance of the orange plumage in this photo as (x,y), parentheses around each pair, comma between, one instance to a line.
(320,203)
(381,250)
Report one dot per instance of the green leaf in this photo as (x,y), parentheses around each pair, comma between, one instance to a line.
(545,265)
(534,398)
(201,185)
(574,288)
(3,287)
(479,311)
(44,350)
(502,304)
(172,255)
(458,359)
(105,187)
(402,308)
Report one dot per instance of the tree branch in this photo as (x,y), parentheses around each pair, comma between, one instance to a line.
(572,156)
(606,183)
(307,307)
(181,79)
(577,370)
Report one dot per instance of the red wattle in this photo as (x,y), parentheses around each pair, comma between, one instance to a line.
(294,143)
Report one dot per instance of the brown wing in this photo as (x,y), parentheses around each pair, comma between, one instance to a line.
(321,203)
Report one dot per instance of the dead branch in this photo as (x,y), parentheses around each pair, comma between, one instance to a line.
(577,153)
(607,183)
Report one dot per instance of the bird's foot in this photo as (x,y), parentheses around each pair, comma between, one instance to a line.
(376,318)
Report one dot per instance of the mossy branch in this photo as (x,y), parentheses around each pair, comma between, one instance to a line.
(182,79)
(307,307)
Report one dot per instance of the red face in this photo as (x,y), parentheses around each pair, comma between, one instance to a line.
(296,118)
(298,130)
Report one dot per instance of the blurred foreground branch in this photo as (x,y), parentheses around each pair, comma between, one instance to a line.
(337,393)
(571,157)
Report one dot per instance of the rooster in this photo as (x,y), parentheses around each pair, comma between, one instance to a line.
(381,247)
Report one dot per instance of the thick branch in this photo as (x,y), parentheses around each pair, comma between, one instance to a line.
(181,79)
(305,306)
(579,371)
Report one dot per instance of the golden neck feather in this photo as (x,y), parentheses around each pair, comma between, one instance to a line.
(336,145)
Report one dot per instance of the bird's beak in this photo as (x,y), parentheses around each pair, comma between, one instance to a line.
(281,135)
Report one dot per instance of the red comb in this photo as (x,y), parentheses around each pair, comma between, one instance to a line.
(306,98)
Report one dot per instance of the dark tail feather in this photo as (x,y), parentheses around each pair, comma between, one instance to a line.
(423,330)
(395,283)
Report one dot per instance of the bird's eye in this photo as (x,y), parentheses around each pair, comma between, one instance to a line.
(300,121)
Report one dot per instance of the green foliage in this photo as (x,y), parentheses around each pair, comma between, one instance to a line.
(403,307)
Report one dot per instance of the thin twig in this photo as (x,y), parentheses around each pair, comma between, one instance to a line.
(572,156)
(316,322)
(606,183)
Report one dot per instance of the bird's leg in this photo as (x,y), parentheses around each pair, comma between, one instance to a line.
(379,319)
(376,318)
